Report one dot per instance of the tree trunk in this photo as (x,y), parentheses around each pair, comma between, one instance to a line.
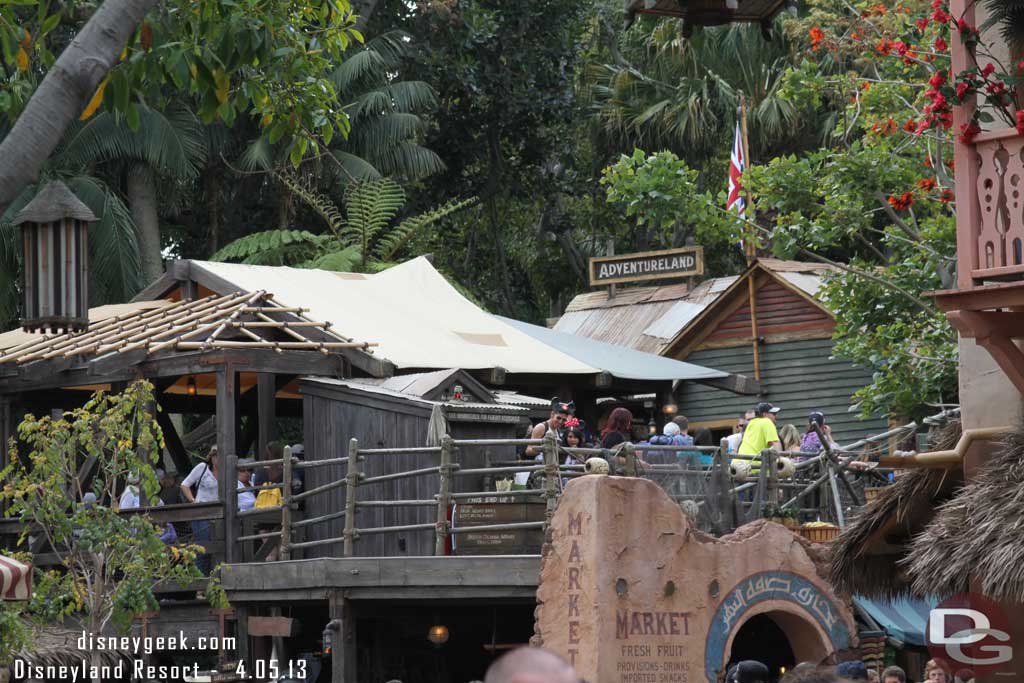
(142,200)
(64,92)
(211,183)
(364,10)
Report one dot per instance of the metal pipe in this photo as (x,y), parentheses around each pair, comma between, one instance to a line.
(944,458)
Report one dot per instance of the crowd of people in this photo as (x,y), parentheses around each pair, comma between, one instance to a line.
(754,431)
(536,665)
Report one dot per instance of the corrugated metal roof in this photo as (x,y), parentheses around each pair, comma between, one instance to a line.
(369,386)
(516,399)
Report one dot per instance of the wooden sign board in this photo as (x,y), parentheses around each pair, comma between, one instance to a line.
(647,265)
(271,626)
(508,542)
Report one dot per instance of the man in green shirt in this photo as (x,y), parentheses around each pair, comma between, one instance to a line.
(760,432)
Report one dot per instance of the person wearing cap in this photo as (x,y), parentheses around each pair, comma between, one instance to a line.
(810,443)
(760,432)
(560,411)
(246,499)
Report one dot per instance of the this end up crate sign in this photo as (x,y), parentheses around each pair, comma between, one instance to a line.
(487,511)
(647,265)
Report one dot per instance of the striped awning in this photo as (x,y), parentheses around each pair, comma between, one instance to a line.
(16,579)
(905,619)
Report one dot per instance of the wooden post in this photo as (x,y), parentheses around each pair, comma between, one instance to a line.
(610,251)
(769,460)
(266,405)
(343,638)
(753,326)
(840,518)
(227,419)
(286,504)
(630,452)
(352,485)
(550,477)
(443,494)
(230,472)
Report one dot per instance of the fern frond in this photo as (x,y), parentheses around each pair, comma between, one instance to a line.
(341,261)
(316,201)
(271,247)
(370,207)
(389,245)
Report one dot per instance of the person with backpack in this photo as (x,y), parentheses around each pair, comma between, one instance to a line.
(203,477)
(560,411)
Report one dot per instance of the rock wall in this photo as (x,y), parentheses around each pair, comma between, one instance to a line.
(631,592)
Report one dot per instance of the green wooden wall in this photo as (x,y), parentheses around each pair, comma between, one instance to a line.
(798,376)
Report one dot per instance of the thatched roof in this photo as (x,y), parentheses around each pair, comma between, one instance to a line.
(53,203)
(978,534)
(866,556)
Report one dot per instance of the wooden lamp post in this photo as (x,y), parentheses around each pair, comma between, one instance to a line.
(710,12)
(55,260)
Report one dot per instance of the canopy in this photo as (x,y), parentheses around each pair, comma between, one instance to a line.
(905,619)
(420,321)
(614,359)
(15,579)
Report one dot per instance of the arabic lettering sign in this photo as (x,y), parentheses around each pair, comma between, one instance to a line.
(770,586)
(648,265)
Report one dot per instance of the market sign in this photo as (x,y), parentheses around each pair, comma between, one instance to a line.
(647,265)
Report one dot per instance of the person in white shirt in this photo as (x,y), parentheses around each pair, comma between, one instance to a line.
(246,499)
(130,495)
(734,440)
(204,477)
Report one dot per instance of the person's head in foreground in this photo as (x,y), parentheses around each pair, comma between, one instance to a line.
(855,670)
(894,674)
(530,665)
(937,671)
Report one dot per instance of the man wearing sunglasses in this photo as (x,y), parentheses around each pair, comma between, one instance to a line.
(560,411)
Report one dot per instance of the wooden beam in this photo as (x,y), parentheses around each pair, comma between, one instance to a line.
(36,370)
(227,422)
(266,401)
(158,289)
(738,384)
(173,440)
(993,332)
(285,627)
(110,362)
(343,649)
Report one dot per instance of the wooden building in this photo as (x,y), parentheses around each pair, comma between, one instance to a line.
(712,325)
(397,413)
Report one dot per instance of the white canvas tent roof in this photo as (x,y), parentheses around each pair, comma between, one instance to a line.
(420,321)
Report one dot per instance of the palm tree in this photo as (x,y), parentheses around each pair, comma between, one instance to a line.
(385,116)
(682,94)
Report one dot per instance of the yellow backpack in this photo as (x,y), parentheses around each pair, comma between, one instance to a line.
(269,498)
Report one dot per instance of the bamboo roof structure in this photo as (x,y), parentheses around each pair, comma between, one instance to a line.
(867,558)
(248,320)
(977,535)
(53,203)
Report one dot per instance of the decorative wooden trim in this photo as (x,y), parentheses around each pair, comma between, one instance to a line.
(979,298)
(994,332)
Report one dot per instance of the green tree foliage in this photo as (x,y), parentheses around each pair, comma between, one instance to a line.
(271,60)
(109,563)
(365,239)
(879,201)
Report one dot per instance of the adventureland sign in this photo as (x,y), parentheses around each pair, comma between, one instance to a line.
(647,265)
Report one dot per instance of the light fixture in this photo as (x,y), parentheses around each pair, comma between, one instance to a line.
(190,386)
(438,634)
(652,427)
(670,407)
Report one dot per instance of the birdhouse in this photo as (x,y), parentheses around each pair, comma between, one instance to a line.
(55,260)
(710,12)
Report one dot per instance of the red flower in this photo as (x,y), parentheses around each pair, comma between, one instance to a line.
(903,202)
(1020,122)
(883,47)
(996,88)
(926,184)
(968,131)
(940,45)
(922,24)
(928,161)
(946,196)
(817,37)
(937,79)
(939,16)
(988,70)
(1020,66)
(900,47)
(962,89)
(909,126)
(937,4)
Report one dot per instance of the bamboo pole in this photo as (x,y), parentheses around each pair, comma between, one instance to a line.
(750,246)
(286,505)
(550,477)
(318,520)
(444,495)
(352,478)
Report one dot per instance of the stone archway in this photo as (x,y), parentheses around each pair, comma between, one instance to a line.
(778,636)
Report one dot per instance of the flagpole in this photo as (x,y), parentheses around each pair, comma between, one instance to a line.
(751,250)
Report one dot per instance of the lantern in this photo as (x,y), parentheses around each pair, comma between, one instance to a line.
(438,634)
(55,260)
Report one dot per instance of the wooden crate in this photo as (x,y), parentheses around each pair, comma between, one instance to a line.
(820,534)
